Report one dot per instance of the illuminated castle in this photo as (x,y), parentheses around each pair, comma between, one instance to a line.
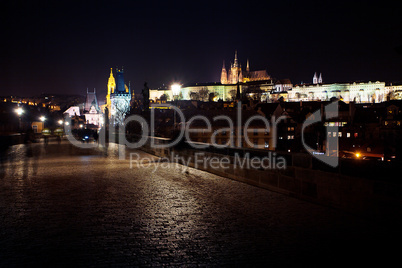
(118,97)
(237,75)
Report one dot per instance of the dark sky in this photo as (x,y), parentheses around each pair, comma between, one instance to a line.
(69,46)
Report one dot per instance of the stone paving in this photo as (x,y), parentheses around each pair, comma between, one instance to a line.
(97,211)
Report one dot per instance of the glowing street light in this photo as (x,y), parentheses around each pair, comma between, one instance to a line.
(42,118)
(60,122)
(175,89)
(19,111)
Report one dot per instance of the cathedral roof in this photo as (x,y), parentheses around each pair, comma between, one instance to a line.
(283,81)
(262,74)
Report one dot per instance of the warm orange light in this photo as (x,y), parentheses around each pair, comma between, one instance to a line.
(357,155)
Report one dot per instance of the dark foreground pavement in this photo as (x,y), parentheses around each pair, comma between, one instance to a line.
(80,211)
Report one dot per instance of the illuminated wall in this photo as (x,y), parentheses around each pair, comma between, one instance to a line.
(360,92)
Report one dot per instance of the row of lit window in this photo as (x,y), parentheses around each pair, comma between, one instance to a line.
(398,123)
(335,124)
(339,134)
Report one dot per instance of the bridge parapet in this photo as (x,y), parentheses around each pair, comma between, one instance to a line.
(360,186)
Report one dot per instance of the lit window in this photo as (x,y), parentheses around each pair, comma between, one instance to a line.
(356,134)
(339,134)
(329,134)
(348,135)
(266,144)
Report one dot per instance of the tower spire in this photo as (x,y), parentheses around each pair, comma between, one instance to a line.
(248,66)
(224,74)
(236,63)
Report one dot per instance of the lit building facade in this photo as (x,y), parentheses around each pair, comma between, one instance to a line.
(92,112)
(369,92)
(89,112)
(395,91)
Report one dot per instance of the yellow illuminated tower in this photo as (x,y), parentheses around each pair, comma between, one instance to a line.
(224,75)
(111,86)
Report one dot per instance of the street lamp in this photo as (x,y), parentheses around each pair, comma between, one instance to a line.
(175,89)
(19,111)
(42,119)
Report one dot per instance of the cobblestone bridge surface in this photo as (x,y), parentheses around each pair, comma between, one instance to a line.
(96,210)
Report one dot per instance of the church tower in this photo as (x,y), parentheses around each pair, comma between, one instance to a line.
(320,79)
(118,99)
(111,86)
(235,71)
(315,79)
(224,74)
(236,61)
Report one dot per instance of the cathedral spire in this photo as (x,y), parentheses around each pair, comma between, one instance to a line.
(236,63)
(224,74)
(111,85)
(248,66)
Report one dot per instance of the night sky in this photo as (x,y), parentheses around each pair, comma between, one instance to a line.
(53,47)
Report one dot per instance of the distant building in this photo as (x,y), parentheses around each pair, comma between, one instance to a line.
(160,93)
(317,80)
(234,82)
(365,92)
(283,85)
(118,97)
(92,112)
(89,112)
(72,111)
(237,75)
(395,91)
